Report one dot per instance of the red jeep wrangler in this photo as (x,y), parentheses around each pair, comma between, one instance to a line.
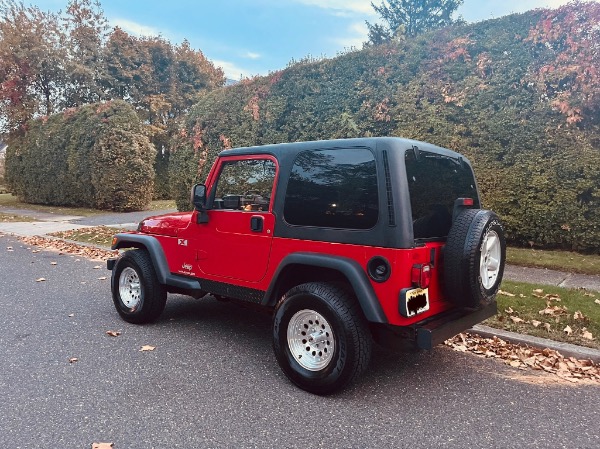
(346,241)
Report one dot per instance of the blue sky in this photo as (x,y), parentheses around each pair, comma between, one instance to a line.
(254,37)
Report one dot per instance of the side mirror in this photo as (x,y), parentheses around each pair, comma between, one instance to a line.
(198,197)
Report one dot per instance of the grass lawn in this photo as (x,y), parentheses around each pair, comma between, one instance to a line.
(10,201)
(97,235)
(556,260)
(546,311)
(162,205)
(11,218)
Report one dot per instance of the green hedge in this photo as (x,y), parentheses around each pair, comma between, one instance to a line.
(96,156)
(495,91)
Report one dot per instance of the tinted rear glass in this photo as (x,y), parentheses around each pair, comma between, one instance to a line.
(435,182)
(333,189)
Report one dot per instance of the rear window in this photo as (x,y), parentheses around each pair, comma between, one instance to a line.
(333,189)
(435,181)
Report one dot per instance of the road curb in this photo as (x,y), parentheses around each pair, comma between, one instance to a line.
(566,349)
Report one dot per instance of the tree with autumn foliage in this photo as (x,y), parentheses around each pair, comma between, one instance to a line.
(32,55)
(411,17)
(568,60)
(51,62)
(86,29)
(162,81)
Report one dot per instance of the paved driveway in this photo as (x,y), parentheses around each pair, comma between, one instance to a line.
(212,380)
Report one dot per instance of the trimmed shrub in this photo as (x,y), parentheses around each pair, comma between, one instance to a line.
(513,94)
(96,156)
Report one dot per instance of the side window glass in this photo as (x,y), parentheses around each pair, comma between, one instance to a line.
(434,183)
(245,185)
(333,189)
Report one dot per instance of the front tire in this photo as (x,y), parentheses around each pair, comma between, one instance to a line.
(137,294)
(320,337)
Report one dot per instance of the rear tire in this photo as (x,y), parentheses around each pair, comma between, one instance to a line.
(137,294)
(320,337)
(474,258)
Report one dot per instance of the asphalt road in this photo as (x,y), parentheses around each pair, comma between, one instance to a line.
(213,381)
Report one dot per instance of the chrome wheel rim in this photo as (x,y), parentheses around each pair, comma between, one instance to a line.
(130,289)
(489,264)
(310,340)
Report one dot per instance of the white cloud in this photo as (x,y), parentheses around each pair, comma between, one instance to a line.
(232,71)
(252,55)
(340,7)
(557,3)
(358,33)
(136,29)
(475,10)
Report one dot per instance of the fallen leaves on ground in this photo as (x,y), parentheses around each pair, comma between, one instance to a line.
(526,357)
(586,334)
(567,330)
(147,348)
(597,301)
(503,293)
(40,279)
(73,360)
(579,316)
(552,297)
(53,263)
(102,278)
(538,293)
(113,333)
(70,248)
(554,310)
(101,235)
(102,445)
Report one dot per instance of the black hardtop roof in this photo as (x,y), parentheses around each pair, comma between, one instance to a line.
(398,143)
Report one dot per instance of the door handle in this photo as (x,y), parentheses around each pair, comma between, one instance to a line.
(256,223)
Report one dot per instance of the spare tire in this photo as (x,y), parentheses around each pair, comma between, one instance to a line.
(474,258)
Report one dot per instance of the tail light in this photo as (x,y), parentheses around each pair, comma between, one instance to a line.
(421,275)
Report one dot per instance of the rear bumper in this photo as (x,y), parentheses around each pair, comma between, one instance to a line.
(436,330)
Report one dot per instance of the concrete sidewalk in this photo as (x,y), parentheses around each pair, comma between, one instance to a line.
(552,277)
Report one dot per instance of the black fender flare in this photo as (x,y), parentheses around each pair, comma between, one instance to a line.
(157,255)
(349,268)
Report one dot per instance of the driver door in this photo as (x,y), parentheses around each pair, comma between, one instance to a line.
(236,241)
